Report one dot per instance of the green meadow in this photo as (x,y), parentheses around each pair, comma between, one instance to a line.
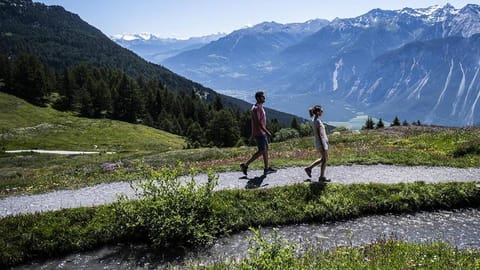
(24,126)
(28,127)
(185,216)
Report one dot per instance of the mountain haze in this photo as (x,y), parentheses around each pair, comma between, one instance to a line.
(241,58)
(156,49)
(350,65)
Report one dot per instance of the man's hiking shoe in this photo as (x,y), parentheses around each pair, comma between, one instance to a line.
(269,170)
(308,171)
(323,179)
(244,168)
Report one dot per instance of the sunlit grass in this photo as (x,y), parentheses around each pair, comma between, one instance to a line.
(429,146)
(50,129)
(24,126)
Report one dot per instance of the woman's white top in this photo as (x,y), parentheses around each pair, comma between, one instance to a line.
(320,140)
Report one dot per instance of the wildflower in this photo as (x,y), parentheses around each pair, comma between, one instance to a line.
(109,166)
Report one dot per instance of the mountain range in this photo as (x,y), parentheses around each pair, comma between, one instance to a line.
(417,64)
(61,39)
(156,49)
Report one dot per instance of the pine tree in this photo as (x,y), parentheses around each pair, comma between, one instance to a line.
(166,124)
(222,129)
(369,124)
(195,134)
(380,124)
(201,112)
(66,87)
(157,105)
(29,79)
(128,105)
(5,74)
(83,102)
(245,124)
(274,126)
(218,104)
(101,99)
(182,123)
(294,124)
(396,122)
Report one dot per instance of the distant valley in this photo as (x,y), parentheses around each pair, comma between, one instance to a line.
(417,64)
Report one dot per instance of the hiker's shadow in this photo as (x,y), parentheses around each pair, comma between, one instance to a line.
(254,182)
(317,188)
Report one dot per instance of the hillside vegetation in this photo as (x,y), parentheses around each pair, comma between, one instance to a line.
(24,126)
(61,40)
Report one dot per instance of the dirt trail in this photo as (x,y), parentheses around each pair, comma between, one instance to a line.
(105,193)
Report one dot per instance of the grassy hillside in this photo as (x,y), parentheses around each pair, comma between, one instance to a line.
(24,126)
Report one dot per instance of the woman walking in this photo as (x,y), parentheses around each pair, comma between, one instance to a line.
(320,142)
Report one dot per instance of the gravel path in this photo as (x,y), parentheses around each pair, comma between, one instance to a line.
(105,193)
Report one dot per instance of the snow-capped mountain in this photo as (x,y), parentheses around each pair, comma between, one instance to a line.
(435,81)
(303,29)
(360,40)
(155,49)
(131,37)
(429,72)
(242,57)
(418,64)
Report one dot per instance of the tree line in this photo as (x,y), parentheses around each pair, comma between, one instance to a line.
(101,92)
(370,124)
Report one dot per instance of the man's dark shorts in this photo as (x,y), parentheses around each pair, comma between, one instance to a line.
(262,142)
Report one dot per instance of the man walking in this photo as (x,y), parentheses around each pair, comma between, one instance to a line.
(260,133)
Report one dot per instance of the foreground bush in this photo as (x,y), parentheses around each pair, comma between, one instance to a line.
(169,212)
(177,215)
(38,236)
(317,202)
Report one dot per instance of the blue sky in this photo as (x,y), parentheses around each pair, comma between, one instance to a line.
(187,18)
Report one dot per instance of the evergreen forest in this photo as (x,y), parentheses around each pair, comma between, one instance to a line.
(101,92)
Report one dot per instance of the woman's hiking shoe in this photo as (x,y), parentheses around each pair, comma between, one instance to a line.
(269,170)
(308,171)
(323,179)
(244,168)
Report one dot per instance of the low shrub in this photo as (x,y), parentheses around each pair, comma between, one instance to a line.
(269,252)
(286,134)
(170,212)
(469,148)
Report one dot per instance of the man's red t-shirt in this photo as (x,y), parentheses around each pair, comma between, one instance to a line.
(258,114)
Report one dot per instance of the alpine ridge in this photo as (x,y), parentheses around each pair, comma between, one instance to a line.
(156,49)
(417,64)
